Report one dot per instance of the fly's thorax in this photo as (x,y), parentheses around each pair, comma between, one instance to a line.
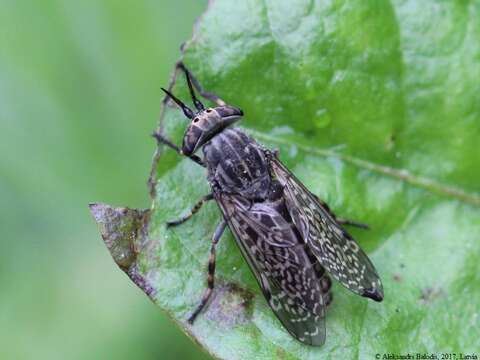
(237,164)
(206,124)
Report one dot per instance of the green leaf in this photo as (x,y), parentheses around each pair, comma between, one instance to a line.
(375,106)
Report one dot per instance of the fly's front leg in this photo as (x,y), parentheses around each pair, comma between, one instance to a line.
(158,133)
(206,94)
(211,271)
(192,212)
(161,139)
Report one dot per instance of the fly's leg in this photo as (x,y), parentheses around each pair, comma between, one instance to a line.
(343,221)
(161,139)
(211,271)
(158,134)
(206,94)
(340,220)
(192,212)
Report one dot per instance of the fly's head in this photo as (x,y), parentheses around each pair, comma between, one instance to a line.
(205,123)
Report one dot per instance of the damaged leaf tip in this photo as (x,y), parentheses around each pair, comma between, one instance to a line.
(119,228)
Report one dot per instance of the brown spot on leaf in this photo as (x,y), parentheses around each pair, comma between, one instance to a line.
(281,353)
(429,294)
(231,305)
(397,277)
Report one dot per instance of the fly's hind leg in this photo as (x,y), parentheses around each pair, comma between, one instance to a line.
(192,212)
(339,220)
(206,94)
(343,221)
(211,272)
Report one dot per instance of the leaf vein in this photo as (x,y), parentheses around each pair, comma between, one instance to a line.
(420,181)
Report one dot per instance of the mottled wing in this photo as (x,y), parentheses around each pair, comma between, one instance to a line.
(290,278)
(335,249)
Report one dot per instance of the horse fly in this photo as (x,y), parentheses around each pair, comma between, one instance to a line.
(291,240)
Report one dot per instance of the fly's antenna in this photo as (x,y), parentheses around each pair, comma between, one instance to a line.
(198,104)
(186,110)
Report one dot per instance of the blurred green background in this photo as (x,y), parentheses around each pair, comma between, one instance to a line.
(79,95)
